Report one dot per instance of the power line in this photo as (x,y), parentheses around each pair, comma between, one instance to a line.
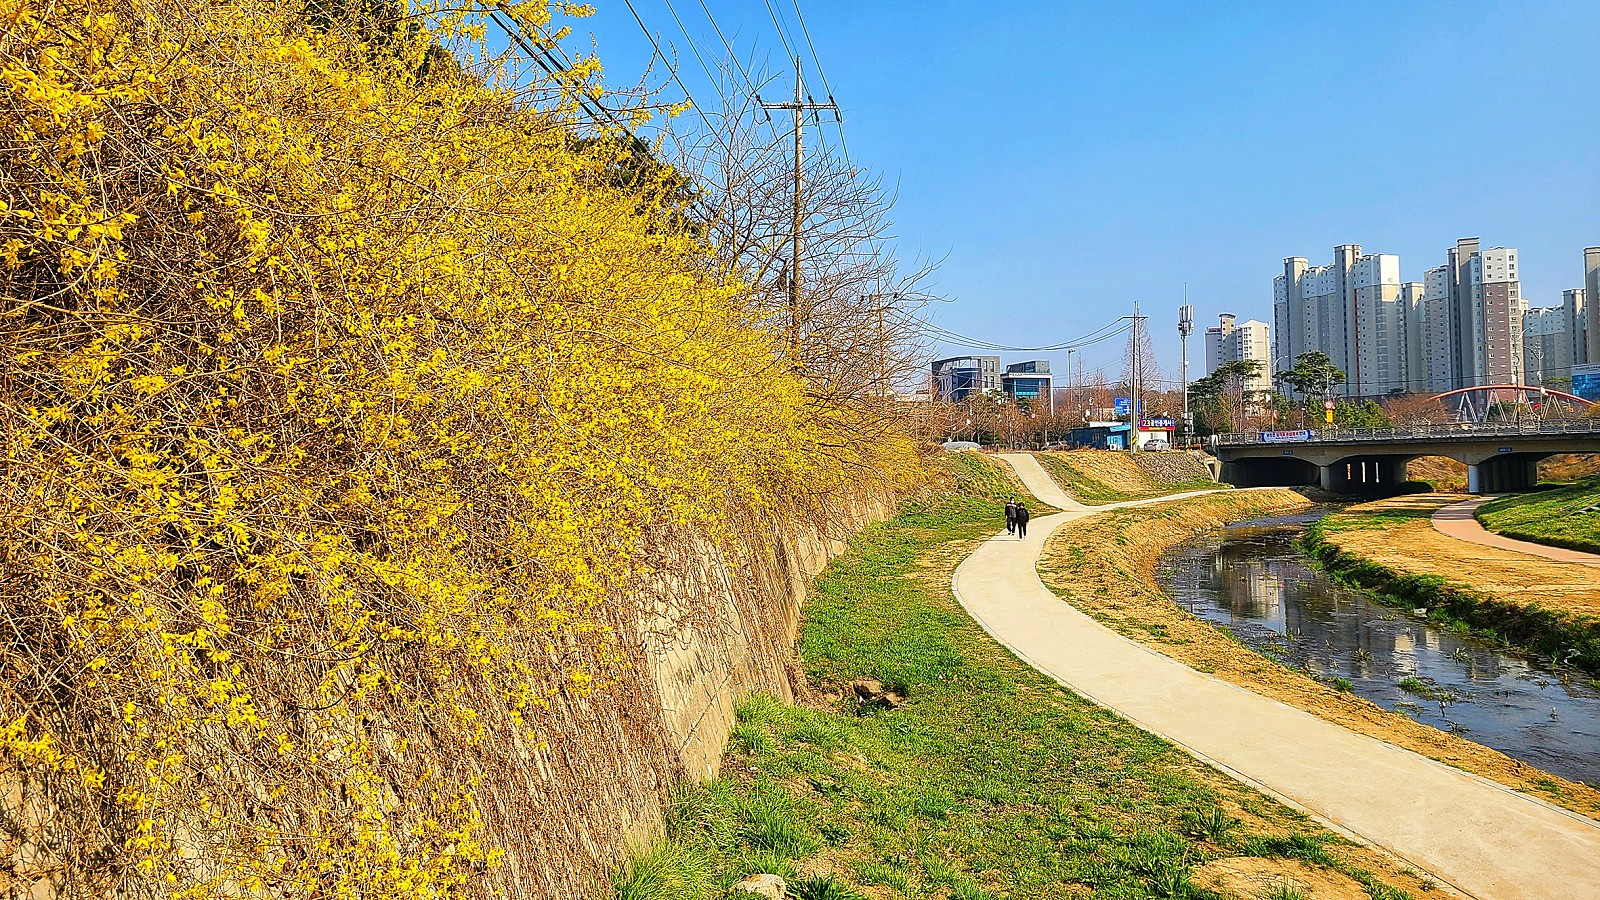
(693,47)
(1116,328)
(844,147)
(673,71)
(782,35)
(732,56)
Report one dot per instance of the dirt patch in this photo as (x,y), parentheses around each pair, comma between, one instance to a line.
(1398,534)
(1105,566)
(1252,878)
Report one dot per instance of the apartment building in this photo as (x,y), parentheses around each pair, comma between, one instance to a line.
(1497,308)
(1460,326)
(1591,293)
(1577,319)
(1434,327)
(1546,345)
(1231,340)
(1381,323)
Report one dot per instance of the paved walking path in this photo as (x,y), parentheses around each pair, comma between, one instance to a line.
(1457,521)
(1477,836)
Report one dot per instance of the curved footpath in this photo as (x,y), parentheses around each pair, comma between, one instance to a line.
(1470,833)
(1457,521)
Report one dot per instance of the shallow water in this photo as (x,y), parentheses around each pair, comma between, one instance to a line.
(1250,578)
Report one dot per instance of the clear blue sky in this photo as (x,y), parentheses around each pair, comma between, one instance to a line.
(1065,159)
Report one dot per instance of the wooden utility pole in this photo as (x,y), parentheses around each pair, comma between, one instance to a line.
(799,106)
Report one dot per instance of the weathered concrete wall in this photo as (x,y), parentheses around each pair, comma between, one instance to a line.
(712,623)
(713,626)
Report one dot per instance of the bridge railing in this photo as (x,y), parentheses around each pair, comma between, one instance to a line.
(1463,431)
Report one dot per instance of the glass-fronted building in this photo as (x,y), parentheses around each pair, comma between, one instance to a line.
(1028,381)
(959,377)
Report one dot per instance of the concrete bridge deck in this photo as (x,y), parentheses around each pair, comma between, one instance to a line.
(1497,457)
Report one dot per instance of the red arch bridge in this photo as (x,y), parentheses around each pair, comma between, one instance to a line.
(1499,457)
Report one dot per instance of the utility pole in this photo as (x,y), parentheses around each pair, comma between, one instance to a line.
(799,106)
(883,340)
(1185,327)
(1071,381)
(1134,386)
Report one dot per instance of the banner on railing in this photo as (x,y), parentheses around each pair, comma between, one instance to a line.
(1282,437)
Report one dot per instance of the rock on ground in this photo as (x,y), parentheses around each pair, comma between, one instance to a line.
(770,886)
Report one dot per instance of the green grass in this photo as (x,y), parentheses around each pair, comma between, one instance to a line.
(992,781)
(1414,685)
(1563,517)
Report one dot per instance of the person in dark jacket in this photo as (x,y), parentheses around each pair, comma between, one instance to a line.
(1011,516)
(1022,521)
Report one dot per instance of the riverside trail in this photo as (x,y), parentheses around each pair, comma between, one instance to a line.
(1476,836)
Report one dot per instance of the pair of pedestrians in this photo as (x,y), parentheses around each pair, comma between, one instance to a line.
(1016,518)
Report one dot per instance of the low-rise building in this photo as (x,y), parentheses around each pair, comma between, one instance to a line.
(1029,382)
(958,377)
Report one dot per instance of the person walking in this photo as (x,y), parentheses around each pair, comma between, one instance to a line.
(1022,521)
(1011,516)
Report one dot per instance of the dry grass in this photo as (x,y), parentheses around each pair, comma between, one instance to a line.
(1397,533)
(1108,476)
(1569,467)
(1444,473)
(1105,566)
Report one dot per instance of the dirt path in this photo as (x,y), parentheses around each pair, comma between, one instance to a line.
(1457,521)
(1475,835)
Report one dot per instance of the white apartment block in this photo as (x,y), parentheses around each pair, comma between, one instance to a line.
(1577,318)
(1460,326)
(1497,317)
(1546,345)
(1434,327)
(1379,318)
(1230,340)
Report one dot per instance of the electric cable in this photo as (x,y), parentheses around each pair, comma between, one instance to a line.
(817,60)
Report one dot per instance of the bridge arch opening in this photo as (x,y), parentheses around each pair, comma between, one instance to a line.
(1272,471)
(1365,473)
(1505,472)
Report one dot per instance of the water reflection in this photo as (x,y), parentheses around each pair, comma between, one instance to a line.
(1251,579)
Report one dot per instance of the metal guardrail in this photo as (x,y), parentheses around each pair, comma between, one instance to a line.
(1418,432)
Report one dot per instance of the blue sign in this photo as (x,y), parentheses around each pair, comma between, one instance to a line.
(1586,381)
(1158,422)
(1278,437)
(1507,450)
(1122,405)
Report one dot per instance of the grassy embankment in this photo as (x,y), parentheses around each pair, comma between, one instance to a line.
(1105,476)
(1549,608)
(1563,517)
(991,781)
(1105,566)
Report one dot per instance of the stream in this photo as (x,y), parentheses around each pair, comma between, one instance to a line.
(1250,579)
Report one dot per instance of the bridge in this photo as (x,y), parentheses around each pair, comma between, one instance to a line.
(1500,457)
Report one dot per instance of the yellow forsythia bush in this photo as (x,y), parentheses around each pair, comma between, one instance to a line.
(337,387)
